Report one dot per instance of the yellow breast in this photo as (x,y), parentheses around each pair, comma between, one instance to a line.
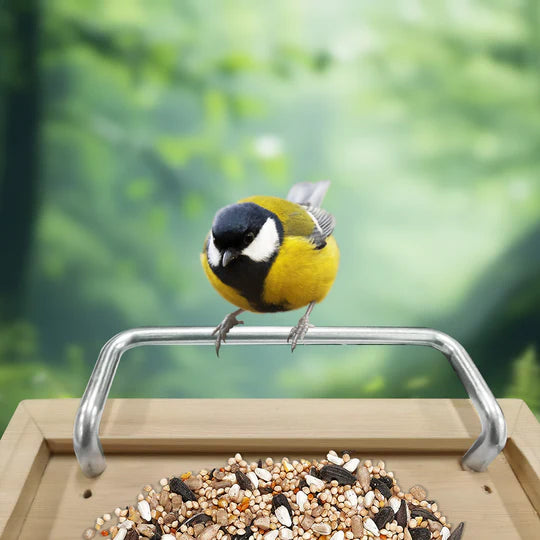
(301,274)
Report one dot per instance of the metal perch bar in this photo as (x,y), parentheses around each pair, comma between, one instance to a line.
(86,440)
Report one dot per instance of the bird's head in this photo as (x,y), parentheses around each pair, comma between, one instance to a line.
(243,229)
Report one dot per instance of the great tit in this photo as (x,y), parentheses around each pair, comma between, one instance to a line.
(267,254)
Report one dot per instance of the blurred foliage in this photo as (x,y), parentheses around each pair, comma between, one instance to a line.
(125,125)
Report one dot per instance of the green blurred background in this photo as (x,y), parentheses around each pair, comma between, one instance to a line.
(125,125)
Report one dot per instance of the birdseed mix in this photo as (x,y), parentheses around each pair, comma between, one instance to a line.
(336,498)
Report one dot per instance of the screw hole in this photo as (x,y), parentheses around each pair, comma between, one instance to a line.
(87,494)
(487,489)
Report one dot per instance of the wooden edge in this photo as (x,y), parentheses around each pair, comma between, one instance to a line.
(176,425)
(23,456)
(129,445)
(523,453)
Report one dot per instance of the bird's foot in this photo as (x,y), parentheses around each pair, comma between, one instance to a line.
(222,329)
(299,331)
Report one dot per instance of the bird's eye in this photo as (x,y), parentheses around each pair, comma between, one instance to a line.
(248,238)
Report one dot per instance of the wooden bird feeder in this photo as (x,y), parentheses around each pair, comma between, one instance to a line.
(54,481)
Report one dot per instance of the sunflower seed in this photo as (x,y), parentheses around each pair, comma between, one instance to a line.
(253,478)
(352,497)
(301,500)
(457,533)
(317,483)
(419,533)
(384,516)
(424,514)
(243,481)
(334,459)
(402,517)
(395,503)
(179,487)
(280,500)
(121,534)
(263,474)
(377,483)
(352,465)
(271,535)
(197,518)
(369,525)
(335,472)
(339,535)
(387,480)
(368,499)
(144,510)
(283,516)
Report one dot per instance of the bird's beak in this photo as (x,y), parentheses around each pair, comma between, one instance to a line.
(228,256)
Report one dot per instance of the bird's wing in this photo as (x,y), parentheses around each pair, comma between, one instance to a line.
(309,193)
(325,224)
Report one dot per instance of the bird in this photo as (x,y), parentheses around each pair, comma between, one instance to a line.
(266,254)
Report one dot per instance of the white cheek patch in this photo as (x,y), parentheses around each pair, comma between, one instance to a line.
(265,244)
(214,256)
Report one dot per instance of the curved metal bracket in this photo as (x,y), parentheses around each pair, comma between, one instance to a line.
(86,441)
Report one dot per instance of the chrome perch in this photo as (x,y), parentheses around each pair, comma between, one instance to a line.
(86,440)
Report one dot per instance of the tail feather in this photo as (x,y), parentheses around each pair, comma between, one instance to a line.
(309,193)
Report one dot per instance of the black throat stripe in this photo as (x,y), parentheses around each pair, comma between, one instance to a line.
(247,278)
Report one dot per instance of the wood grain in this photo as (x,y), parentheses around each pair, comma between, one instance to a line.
(142,425)
(523,452)
(23,457)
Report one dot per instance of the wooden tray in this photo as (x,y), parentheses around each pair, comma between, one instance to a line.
(422,441)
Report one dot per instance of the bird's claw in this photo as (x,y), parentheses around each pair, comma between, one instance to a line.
(298,332)
(222,329)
